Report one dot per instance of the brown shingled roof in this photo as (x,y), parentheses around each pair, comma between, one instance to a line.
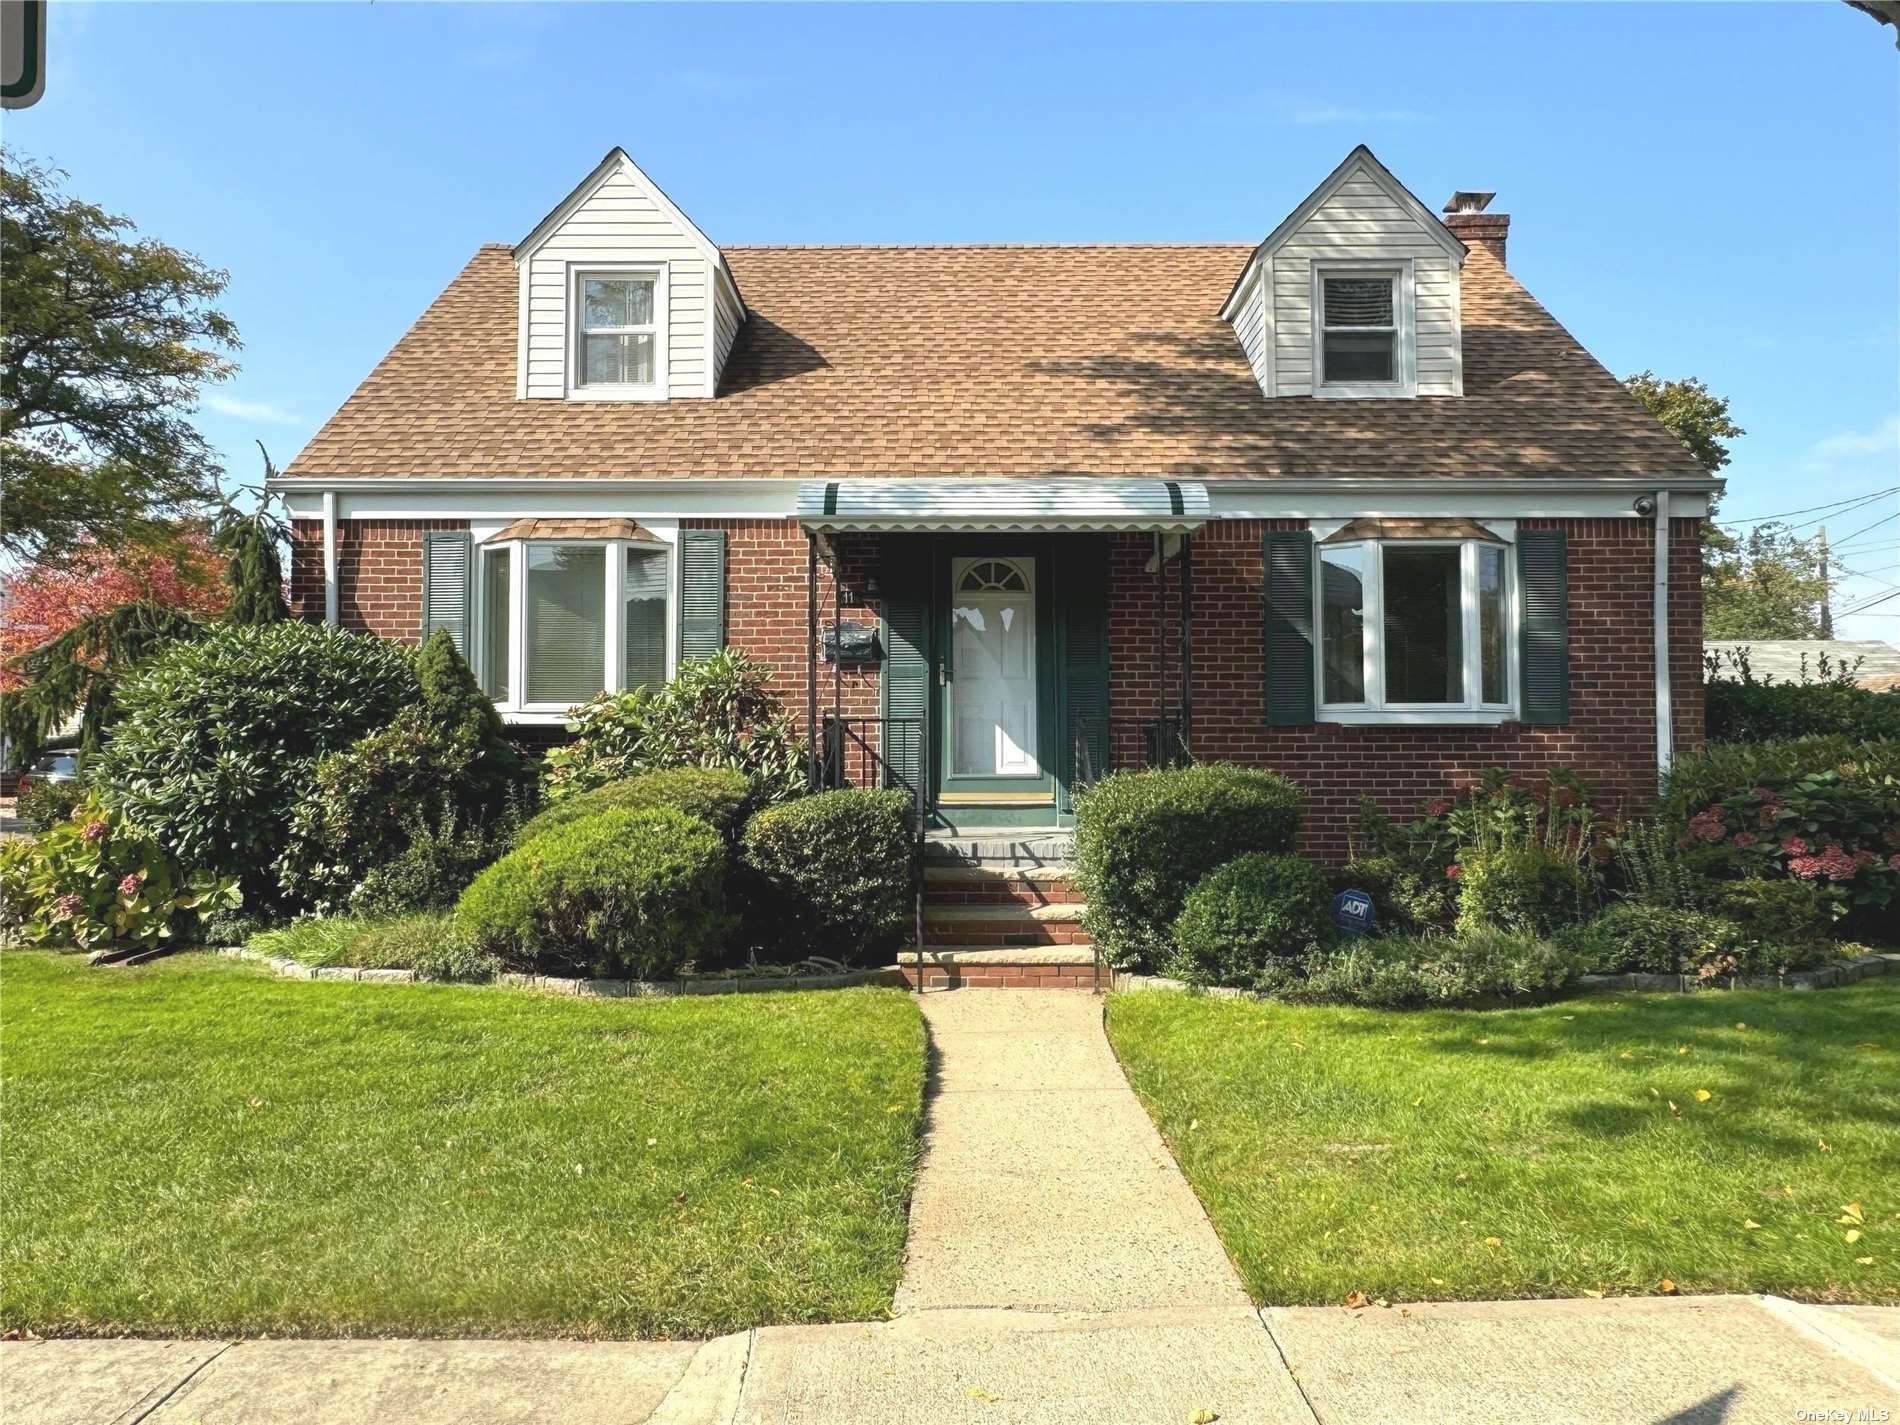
(989,361)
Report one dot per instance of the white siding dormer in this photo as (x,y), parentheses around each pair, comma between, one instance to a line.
(618,224)
(1363,229)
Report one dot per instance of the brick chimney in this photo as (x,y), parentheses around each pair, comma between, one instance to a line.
(1465,215)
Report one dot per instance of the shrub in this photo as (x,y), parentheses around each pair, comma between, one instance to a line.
(637,893)
(716,712)
(98,882)
(229,927)
(432,945)
(1778,913)
(1408,897)
(1824,810)
(1143,840)
(42,805)
(1252,912)
(439,860)
(1527,890)
(463,717)
(1397,971)
(1653,939)
(720,797)
(217,739)
(832,874)
(1739,707)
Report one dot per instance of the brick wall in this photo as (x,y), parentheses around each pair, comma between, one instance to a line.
(1611,736)
(378,574)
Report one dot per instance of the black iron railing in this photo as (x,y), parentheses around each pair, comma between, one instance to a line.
(882,752)
(1126,746)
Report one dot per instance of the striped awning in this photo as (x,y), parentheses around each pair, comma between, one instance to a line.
(851,506)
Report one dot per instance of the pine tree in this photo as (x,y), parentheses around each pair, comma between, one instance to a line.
(462,714)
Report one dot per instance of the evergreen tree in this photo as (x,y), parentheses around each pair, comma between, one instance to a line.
(461,714)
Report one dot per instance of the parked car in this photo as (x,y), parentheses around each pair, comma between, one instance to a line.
(52,767)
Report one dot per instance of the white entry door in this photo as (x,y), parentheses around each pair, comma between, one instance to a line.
(993,688)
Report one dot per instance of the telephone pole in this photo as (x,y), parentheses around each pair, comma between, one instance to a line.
(1827,591)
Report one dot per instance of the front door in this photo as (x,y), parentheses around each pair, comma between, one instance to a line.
(992,688)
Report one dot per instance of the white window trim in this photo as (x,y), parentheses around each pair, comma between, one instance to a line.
(1373,709)
(613,669)
(1404,313)
(662,312)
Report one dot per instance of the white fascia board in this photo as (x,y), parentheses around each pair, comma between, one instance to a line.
(619,161)
(1361,158)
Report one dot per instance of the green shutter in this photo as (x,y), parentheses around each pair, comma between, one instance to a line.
(1081,596)
(1287,635)
(643,619)
(702,593)
(905,580)
(1543,595)
(446,556)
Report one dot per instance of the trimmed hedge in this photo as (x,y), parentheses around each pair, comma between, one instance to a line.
(1143,840)
(720,797)
(625,893)
(832,874)
(1523,890)
(1252,912)
(1747,711)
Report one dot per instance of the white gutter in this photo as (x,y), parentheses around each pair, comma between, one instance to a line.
(329,558)
(1453,486)
(1665,734)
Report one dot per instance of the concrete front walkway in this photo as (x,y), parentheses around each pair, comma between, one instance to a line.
(1060,1270)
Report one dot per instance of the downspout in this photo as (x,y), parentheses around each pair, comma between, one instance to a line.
(1665,732)
(329,558)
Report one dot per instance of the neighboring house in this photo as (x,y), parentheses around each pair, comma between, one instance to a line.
(1800,660)
(1348,503)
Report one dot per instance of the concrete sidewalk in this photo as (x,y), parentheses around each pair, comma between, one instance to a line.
(1060,1269)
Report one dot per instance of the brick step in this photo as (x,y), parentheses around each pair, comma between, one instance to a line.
(1005,924)
(968,885)
(1049,967)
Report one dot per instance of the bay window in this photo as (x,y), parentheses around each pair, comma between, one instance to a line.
(1414,630)
(562,620)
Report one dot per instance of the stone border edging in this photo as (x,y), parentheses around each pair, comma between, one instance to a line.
(1827,978)
(559,985)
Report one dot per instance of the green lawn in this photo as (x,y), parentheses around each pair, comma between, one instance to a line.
(195,1147)
(1537,1152)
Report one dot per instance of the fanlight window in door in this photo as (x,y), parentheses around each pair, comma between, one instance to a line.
(996,576)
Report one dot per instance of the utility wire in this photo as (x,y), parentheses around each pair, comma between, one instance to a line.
(1884,519)
(1764,519)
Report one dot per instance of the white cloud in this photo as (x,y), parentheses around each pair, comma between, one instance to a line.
(262,411)
(1340,114)
(1845,447)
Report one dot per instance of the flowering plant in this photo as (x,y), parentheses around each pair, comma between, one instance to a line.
(98,880)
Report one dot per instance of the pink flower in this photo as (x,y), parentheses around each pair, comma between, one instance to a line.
(1707,825)
(1746,838)
(1438,806)
(129,886)
(1864,858)
(95,830)
(1795,846)
(1808,868)
(1837,864)
(1454,871)
(1768,796)
(1893,862)
(67,907)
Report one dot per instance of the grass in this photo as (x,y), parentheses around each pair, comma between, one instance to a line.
(196,1147)
(1555,1151)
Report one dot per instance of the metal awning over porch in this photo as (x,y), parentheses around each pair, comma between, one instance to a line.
(965,506)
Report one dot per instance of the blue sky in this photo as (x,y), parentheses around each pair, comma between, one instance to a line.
(1708,190)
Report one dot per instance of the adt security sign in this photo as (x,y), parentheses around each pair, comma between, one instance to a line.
(1352,912)
(22,52)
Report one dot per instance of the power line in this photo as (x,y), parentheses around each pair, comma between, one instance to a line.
(1850,500)
(1877,600)
(1884,519)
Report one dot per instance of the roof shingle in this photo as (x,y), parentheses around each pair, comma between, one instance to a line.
(989,361)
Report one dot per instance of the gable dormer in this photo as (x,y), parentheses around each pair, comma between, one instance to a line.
(622,297)
(1355,295)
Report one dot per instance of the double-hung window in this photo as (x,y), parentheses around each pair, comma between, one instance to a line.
(562,620)
(619,346)
(1415,630)
(1361,331)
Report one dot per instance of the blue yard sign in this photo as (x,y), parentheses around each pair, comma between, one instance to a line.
(1352,912)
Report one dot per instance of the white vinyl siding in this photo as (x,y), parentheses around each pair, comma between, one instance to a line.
(1362,222)
(726,318)
(618,224)
(1250,325)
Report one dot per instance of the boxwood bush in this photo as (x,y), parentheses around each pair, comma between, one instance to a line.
(1253,912)
(1522,889)
(217,739)
(832,874)
(1143,840)
(633,893)
(718,796)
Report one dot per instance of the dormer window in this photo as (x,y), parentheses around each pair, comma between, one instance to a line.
(619,341)
(1362,335)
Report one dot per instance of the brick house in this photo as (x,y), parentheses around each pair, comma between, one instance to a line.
(1347,502)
